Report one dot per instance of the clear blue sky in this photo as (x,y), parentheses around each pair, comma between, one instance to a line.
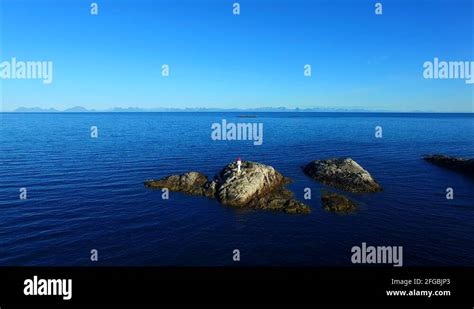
(216,59)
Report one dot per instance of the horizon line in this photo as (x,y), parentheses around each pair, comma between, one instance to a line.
(81,109)
(227,111)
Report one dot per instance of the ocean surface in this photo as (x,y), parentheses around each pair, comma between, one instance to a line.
(85,193)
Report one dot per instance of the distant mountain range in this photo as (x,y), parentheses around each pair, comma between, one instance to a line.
(76,109)
(80,109)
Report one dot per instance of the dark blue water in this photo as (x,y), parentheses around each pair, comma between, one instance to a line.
(86,193)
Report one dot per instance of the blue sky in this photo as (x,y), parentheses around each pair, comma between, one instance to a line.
(256,59)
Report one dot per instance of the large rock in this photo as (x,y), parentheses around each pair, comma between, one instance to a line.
(256,186)
(254,180)
(460,165)
(337,203)
(343,174)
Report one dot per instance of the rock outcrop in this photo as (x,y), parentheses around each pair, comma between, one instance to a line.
(256,186)
(343,174)
(460,165)
(191,183)
(254,180)
(279,199)
(337,203)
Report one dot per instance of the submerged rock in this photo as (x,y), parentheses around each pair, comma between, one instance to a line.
(460,165)
(337,203)
(343,174)
(256,186)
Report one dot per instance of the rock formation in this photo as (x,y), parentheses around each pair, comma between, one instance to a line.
(337,203)
(343,174)
(257,186)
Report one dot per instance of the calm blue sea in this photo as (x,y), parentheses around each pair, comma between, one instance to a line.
(86,193)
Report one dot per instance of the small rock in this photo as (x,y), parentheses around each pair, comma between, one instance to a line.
(337,203)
